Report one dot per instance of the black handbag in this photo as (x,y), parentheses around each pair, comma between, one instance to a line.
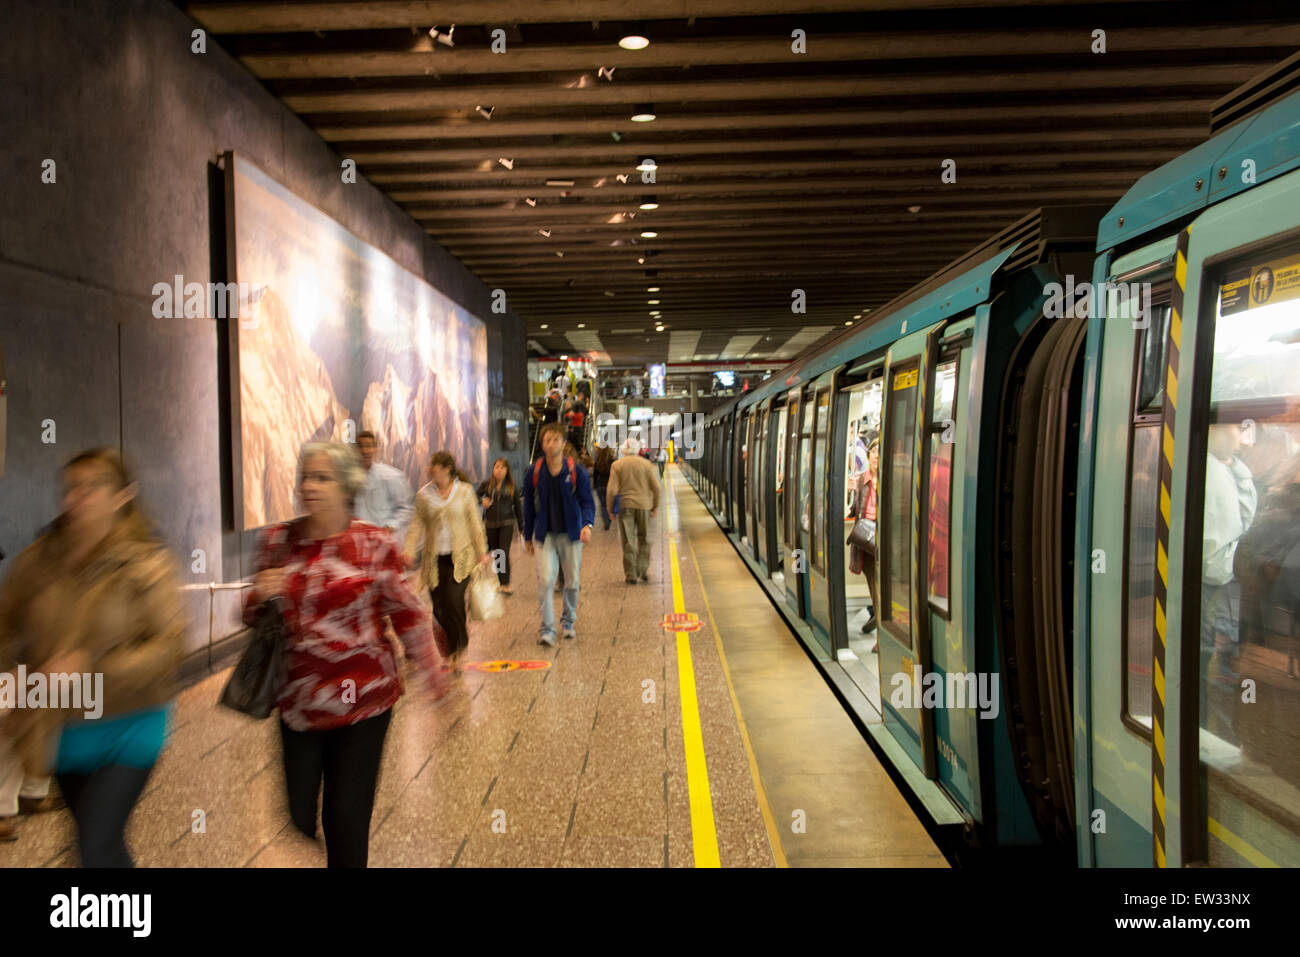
(254,685)
(863,534)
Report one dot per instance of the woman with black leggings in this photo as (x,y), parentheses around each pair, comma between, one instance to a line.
(501,513)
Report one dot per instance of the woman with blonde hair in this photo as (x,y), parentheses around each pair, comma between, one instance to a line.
(447,519)
(337,578)
(97,595)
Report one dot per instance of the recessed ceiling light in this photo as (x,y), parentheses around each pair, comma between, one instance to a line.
(546,325)
(559,182)
(645,113)
(608,293)
(634,43)
(564,358)
(914,209)
(848,322)
(582,325)
(648,202)
(858,316)
(651,288)
(652,302)
(647,163)
(649,234)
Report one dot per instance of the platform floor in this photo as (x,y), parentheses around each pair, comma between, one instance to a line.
(592,761)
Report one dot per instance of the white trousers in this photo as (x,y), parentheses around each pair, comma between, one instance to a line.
(14,783)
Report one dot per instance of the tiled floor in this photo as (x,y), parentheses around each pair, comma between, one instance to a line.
(573,765)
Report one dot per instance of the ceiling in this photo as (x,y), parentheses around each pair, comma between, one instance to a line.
(776,170)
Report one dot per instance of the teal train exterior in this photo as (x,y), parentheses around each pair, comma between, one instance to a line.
(1073,629)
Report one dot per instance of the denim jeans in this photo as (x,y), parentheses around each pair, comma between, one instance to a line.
(555,551)
(604,506)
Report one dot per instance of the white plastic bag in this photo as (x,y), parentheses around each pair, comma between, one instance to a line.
(485,602)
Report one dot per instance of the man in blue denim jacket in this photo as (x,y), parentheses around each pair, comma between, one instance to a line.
(558,515)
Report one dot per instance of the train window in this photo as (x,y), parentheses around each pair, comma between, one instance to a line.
(942,440)
(820,438)
(1151,353)
(745,476)
(793,425)
(780,481)
(1249,620)
(805,467)
(896,504)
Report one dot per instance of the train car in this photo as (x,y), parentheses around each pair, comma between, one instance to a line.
(1084,625)
(1188,686)
(935,379)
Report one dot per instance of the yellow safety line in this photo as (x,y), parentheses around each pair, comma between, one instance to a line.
(769,820)
(1240,846)
(704,833)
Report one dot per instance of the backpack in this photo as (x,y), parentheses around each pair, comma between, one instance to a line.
(537,471)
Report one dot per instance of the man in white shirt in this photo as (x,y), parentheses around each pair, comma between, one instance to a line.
(385,499)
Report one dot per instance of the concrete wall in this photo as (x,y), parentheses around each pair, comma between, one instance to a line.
(135,123)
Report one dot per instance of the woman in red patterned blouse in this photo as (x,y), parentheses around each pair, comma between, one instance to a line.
(336,578)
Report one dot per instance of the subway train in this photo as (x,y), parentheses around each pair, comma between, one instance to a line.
(1084,640)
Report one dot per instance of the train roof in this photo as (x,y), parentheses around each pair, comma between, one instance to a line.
(959,286)
(1257,138)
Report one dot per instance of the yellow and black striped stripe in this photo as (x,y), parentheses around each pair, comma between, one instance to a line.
(1172,344)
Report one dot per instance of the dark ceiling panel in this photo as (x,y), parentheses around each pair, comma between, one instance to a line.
(776,170)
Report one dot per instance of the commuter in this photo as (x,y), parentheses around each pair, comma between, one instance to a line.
(98,594)
(558,516)
(577,418)
(661,458)
(600,478)
(448,520)
(632,479)
(1230,502)
(385,499)
(862,558)
(336,578)
(1267,565)
(501,513)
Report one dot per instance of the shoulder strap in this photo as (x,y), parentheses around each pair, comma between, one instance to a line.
(572,487)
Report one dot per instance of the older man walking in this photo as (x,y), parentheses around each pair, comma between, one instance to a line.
(633,481)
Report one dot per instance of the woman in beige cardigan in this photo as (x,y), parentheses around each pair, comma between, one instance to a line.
(447,519)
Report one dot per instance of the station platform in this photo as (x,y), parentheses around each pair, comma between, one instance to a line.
(630,746)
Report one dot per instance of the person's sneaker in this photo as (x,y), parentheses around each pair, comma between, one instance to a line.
(631,581)
(645,578)
(547,639)
(569,633)
(8,832)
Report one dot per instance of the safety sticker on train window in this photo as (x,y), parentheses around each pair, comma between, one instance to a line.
(1265,283)
(905,380)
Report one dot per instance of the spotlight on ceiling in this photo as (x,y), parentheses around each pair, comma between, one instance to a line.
(546,325)
(634,43)
(649,234)
(530,201)
(485,111)
(651,288)
(645,113)
(443,38)
(582,325)
(647,202)
(647,163)
(848,322)
(608,293)
(914,209)
(652,302)
(607,72)
(507,163)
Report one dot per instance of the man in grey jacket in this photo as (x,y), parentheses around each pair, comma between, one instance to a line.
(385,499)
(633,481)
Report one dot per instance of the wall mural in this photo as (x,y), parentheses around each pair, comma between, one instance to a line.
(331,329)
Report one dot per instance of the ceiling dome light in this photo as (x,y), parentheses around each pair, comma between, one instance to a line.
(914,209)
(649,234)
(546,325)
(645,113)
(652,302)
(647,163)
(848,322)
(582,325)
(651,288)
(634,43)
(649,202)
